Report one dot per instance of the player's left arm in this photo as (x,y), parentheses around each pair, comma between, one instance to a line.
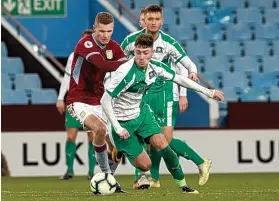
(180,56)
(183,101)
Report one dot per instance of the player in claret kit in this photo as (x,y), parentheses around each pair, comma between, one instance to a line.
(94,56)
(132,120)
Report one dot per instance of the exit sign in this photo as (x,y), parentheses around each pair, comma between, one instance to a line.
(35,8)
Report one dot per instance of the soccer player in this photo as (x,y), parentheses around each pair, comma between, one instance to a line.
(163,96)
(72,125)
(94,56)
(132,119)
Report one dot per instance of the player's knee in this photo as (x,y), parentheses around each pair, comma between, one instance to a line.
(146,166)
(71,135)
(159,142)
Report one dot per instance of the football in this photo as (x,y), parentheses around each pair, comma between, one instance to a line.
(103,184)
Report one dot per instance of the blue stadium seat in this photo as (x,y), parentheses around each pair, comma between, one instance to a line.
(250,15)
(10,97)
(178,4)
(246,64)
(261,3)
(230,94)
(268,31)
(239,32)
(198,48)
(222,16)
(232,3)
(216,64)
(169,17)
(182,32)
(264,80)
(46,96)
(6,81)
(204,4)
(209,32)
(274,94)
(236,79)
(258,95)
(144,3)
(212,78)
(12,66)
(4,51)
(191,16)
(271,64)
(228,48)
(276,47)
(256,48)
(272,15)
(27,81)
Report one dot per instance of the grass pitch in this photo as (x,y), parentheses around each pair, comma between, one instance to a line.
(223,187)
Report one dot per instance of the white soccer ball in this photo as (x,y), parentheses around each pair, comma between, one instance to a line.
(103,183)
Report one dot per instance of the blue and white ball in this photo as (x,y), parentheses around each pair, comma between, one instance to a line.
(103,183)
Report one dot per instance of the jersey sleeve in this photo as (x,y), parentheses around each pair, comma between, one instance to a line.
(127,47)
(176,51)
(163,70)
(119,83)
(118,53)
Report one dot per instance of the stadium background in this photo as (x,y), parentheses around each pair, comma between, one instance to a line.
(234,43)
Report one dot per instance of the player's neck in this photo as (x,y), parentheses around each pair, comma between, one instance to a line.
(154,34)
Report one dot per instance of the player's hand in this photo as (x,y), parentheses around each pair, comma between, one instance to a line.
(124,134)
(218,95)
(60,105)
(194,76)
(183,104)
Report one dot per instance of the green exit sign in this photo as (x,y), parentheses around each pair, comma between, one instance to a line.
(35,8)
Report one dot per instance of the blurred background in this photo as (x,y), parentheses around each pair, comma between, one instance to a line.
(234,43)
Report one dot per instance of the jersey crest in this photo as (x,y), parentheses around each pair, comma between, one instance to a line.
(109,54)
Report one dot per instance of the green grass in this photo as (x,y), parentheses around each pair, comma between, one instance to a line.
(225,187)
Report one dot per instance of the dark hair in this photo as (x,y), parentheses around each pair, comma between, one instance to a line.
(87,32)
(104,18)
(144,41)
(142,11)
(153,8)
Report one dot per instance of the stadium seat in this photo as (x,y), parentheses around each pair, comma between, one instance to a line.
(274,94)
(6,81)
(12,66)
(10,97)
(4,51)
(27,81)
(228,48)
(222,16)
(270,64)
(45,96)
(231,93)
(256,48)
(209,32)
(216,64)
(182,32)
(199,48)
(261,3)
(239,32)
(144,3)
(268,31)
(258,95)
(170,18)
(204,4)
(276,47)
(246,64)
(178,4)
(213,78)
(272,15)
(232,3)
(264,80)
(250,15)
(236,79)
(191,16)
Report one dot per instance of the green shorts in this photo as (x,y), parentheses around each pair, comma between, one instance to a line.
(140,129)
(170,112)
(71,122)
(156,101)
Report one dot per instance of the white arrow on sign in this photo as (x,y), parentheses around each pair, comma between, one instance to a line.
(9,5)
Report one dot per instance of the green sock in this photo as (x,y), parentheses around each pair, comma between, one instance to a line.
(173,165)
(155,159)
(137,173)
(182,149)
(91,159)
(70,155)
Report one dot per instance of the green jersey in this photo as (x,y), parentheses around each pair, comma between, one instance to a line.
(167,50)
(130,83)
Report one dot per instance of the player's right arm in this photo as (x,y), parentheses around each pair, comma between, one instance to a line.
(86,50)
(60,105)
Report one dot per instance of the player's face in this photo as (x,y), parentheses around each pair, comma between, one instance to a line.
(143,56)
(141,21)
(103,32)
(153,21)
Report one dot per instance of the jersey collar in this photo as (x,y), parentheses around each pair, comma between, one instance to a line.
(99,44)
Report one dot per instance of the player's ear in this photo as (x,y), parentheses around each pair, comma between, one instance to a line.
(162,22)
(152,52)
(94,28)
